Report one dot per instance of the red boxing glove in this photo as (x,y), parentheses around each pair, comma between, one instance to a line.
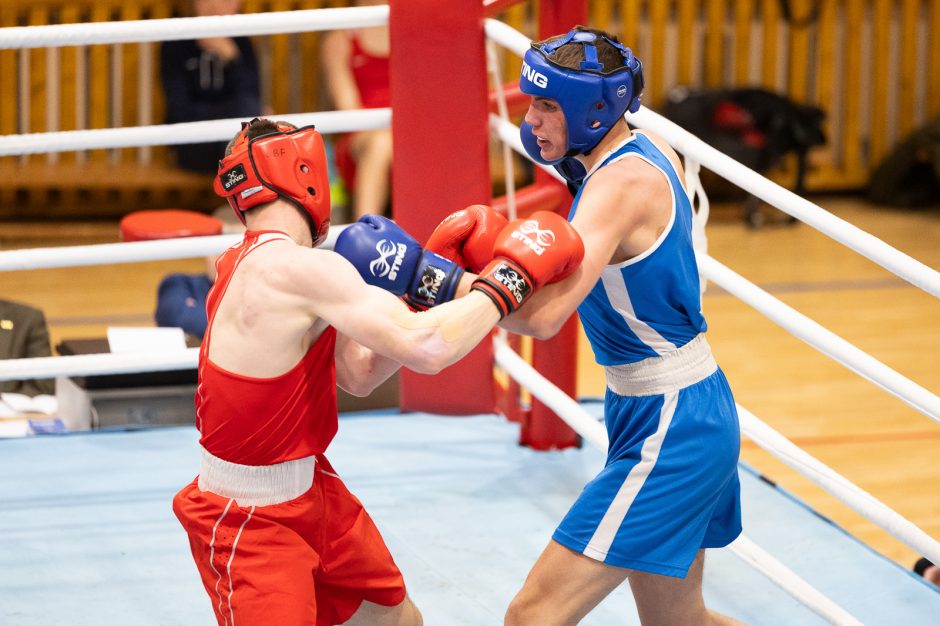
(528,254)
(466,236)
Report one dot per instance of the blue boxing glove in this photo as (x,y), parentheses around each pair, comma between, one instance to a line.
(388,257)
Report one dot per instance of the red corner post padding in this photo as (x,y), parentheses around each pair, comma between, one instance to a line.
(441,160)
(167,224)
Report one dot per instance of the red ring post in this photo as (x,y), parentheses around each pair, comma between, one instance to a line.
(556,358)
(441,154)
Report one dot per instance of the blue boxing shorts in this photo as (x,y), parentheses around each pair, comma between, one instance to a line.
(670,486)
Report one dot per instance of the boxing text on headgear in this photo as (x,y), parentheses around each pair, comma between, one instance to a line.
(289,164)
(591,99)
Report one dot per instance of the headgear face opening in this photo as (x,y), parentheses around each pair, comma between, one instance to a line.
(289,164)
(591,100)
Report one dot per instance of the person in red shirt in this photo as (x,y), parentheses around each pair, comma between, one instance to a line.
(276,535)
(355,68)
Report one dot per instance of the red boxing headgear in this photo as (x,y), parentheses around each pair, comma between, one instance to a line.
(290,164)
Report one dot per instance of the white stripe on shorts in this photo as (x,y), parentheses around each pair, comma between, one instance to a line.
(606,531)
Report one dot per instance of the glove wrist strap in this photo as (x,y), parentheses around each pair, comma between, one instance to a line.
(435,281)
(506,283)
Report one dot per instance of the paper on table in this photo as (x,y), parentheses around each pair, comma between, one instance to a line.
(145,339)
(19,404)
(14,428)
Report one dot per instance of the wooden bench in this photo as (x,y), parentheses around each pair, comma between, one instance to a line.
(98,189)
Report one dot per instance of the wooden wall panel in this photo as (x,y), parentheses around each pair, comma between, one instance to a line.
(698,43)
(933,63)
(908,113)
(770,23)
(743,15)
(631,14)
(688,18)
(716,11)
(881,76)
(655,75)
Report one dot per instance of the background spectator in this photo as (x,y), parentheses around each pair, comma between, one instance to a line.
(181,298)
(355,68)
(207,79)
(930,572)
(24,334)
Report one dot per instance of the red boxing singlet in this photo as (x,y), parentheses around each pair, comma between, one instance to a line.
(262,421)
(371,75)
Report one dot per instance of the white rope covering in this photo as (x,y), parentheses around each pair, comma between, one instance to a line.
(821,338)
(508,169)
(113,253)
(552,396)
(506,36)
(95,364)
(851,236)
(592,431)
(774,570)
(688,144)
(131,252)
(186,132)
(132,31)
(847,492)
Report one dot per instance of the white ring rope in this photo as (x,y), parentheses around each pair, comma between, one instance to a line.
(789,581)
(97,364)
(831,481)
(821,338)
(553,397)
(135,31)
(788,318)
(592,431)
(130,252)
(186,132)
(506,36)
(508,170)
(113,253)
(871,247)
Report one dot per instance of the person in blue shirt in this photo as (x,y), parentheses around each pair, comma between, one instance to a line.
(181,301)
(181,298)
(669,488)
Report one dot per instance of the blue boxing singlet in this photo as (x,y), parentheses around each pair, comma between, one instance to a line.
(651,304)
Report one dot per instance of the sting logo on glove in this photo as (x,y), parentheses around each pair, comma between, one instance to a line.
(527,254)
(421,278)
(544,237)
(514,282)
(381,267)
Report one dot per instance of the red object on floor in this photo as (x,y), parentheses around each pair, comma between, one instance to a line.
(168,224)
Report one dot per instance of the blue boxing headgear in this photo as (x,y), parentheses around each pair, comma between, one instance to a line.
(592,100)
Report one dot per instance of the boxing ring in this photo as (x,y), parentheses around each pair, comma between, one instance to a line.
(464,509)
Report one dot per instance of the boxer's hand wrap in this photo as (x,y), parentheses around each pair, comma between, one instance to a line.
(529,253)
(388,257)
(466,237)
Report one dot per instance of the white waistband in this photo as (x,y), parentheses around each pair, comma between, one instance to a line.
(255,485)
(660,374)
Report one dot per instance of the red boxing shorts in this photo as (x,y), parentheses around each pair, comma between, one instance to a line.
(308,560)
